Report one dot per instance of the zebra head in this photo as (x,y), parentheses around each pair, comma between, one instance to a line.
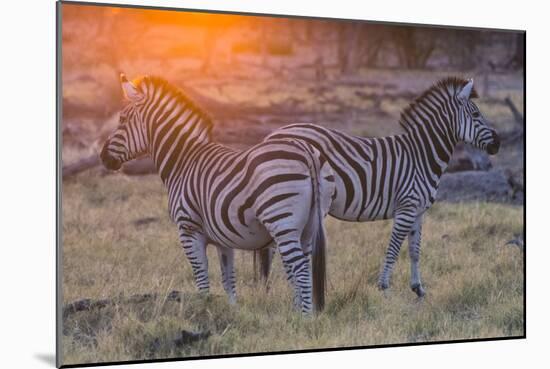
(472,127)
(129,140)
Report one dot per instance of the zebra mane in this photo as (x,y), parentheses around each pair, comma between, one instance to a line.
(448,86)
(160,83)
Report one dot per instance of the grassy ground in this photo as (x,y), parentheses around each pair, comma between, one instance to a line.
(474,281)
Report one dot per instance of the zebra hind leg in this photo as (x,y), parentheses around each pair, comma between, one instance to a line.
(297,266)
(297,300)
(402,225)
(226,257)
(415,236)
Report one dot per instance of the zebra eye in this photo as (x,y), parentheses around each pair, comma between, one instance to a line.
(475,114)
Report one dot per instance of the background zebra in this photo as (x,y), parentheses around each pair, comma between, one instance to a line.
(398,176)
(245,200)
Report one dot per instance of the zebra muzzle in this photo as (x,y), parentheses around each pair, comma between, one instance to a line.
(108,160)
(494,146)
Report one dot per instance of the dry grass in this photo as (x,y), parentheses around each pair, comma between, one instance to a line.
(474,281)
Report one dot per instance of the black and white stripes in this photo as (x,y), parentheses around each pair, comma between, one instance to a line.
(246,200)
(398,176)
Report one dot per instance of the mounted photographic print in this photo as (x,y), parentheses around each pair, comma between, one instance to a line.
(237,184)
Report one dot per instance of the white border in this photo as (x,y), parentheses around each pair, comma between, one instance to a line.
(27,187)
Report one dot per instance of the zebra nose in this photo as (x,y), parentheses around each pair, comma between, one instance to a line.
(494,146)
(109,161)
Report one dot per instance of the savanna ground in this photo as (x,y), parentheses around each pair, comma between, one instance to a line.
(118,242)
(474,281)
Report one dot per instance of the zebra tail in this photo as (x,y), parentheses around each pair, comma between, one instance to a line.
(319,268)
(262,264)
(318,253)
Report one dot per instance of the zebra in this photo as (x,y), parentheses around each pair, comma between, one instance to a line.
(271,192)
(398,176)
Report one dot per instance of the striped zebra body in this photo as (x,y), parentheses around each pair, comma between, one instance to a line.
(398,176)
(272,192)
(373,175)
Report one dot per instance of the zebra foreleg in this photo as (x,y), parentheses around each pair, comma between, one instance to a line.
(226,257)
(415,236)
(194,247)
(402,225)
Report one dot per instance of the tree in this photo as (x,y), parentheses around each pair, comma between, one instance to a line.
(516,61)
(414,45)
(358,45)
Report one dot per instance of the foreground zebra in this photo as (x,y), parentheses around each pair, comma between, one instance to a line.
(398,176)
(216,195)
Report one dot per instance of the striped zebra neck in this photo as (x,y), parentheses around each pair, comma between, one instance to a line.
(174,150)
(428,123)
(177,127)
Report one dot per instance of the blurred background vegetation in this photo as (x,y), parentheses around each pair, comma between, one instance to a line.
(255,74)
(294,68)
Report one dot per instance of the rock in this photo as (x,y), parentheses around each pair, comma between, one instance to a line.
(88,304)
(80,166)
(516,182)
(84,305)
(474,186)
(174,296)
(188,337)
(139,167)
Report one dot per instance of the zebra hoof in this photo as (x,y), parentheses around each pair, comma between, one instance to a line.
(383,286)
(417,288)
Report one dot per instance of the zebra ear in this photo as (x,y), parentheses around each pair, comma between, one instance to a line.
(464,94)
(130,91)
